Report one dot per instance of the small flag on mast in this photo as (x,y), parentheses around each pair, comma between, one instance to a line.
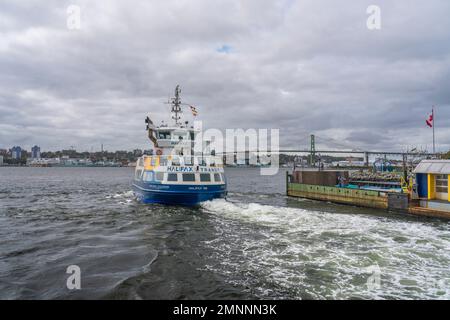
(194,111)
(429,121)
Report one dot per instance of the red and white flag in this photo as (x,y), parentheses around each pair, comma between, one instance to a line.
(194,111)
(429,121)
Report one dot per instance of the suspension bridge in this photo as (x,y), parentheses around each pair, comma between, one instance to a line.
(316,146)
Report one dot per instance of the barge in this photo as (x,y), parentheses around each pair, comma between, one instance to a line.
(425,195)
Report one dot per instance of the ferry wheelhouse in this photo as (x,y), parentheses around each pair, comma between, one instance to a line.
(174,173)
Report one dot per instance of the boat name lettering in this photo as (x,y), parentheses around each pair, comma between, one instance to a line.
(203,169)
(191,169)
(180,169)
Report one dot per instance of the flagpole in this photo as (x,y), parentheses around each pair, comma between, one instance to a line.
(434,124)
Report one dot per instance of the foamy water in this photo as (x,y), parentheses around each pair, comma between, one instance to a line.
(320,255)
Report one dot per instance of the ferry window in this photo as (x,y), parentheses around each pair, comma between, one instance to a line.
(221,177)
(172,177)
(148,176)
(153,161)
(138,174)
(175,161)
(216,177)
(160,176)
(164,135)
(163,161)
(188,160)
(205,177)
(188,177)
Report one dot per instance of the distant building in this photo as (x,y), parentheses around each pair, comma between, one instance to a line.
(36,152)
(16,153)
(1,160)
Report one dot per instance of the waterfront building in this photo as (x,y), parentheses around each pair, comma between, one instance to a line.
(36,152)
(432,178)
(16,152)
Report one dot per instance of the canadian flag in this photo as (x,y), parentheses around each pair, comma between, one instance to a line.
(429,122)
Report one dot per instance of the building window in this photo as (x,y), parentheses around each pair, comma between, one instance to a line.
(442,183)
(217,177)
(205,177)
(172,177)
(188,177)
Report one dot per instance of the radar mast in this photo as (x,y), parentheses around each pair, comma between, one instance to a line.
(176,106)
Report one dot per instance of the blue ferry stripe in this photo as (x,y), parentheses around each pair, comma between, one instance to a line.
(215,190)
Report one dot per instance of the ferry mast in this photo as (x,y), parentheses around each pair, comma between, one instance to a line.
(176,106)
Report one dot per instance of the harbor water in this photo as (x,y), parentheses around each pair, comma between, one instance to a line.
(257,244)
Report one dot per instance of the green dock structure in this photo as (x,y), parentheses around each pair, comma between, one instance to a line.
(330,186)
(363,198)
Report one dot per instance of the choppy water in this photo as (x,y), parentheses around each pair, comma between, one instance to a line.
(257,244)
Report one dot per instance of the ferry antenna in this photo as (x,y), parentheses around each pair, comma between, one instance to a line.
(176,105)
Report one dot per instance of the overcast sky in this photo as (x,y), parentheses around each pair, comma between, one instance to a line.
(306,66)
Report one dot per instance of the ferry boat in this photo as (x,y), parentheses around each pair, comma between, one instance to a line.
(174,174)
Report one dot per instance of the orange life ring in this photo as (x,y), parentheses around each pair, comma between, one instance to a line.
(159,152)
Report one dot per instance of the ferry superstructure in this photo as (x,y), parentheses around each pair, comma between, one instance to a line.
(175,174)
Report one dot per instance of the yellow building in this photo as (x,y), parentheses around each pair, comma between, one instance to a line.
(433,178)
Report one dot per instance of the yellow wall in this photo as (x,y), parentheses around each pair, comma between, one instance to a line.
(431,187)
(449,187)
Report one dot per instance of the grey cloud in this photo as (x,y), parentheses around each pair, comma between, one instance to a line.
(301,66)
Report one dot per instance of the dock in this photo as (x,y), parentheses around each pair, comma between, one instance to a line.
(420,200)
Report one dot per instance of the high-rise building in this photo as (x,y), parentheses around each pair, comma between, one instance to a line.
(36,152)
(16,152)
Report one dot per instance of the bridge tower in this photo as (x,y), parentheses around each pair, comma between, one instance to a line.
(312,156)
